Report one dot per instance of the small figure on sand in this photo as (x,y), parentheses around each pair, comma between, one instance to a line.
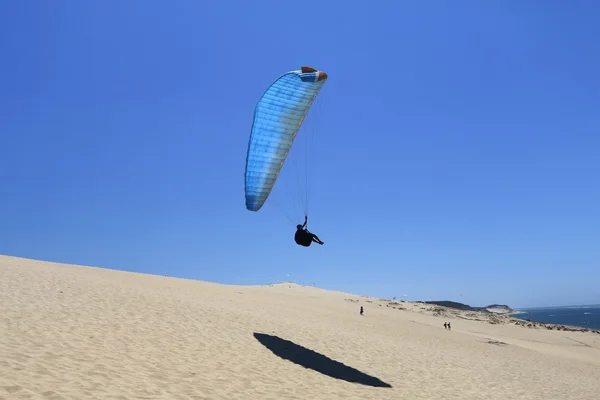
(361,310)
(449,326)
(445,325)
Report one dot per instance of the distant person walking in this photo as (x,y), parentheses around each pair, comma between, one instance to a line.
(445,325)
(361,310)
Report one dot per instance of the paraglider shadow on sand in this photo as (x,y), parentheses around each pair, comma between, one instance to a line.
(318,362)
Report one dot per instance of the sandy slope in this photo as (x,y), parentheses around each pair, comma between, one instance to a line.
(69,332)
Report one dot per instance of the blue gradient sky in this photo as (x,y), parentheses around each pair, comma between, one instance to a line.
(458,151)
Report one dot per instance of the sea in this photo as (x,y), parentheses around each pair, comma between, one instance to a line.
(582,316)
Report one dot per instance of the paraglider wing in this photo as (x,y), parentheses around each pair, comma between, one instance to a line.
(277,119)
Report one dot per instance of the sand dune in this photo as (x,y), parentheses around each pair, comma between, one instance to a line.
(72,332)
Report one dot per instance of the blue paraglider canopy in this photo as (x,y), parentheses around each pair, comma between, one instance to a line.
(278,117)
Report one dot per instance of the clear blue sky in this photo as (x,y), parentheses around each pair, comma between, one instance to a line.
(458,151)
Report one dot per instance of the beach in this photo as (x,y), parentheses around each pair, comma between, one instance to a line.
(76,332)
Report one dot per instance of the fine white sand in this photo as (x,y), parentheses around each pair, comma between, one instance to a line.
(72,332)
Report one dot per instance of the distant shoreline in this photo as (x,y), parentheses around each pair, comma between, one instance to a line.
(525,309)
(568,316)
(560,318)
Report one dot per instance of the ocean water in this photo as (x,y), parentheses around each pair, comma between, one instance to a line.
(582,316)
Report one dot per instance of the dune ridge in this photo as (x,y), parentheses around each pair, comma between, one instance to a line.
(76,332)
